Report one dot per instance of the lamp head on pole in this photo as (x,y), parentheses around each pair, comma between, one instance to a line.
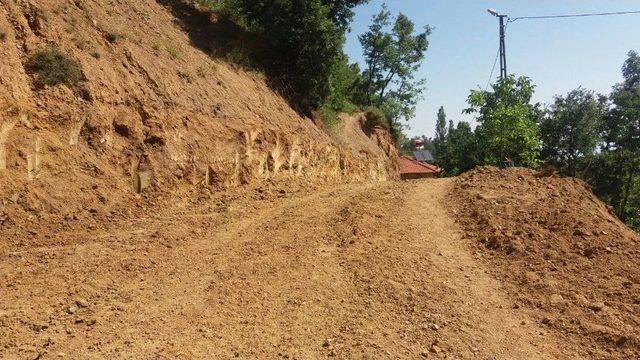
(493,12)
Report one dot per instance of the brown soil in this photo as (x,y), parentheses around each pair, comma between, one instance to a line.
(172,205)
(373,270)
(561,252)
(161,110)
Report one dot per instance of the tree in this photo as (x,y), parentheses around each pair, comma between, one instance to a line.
(621,133)
(570,131)
(393,56)
(508,130)
(460,149)
(341,80)
(341,11)
(306,38)
(441,135)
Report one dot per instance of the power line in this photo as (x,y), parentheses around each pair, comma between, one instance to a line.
(505,24)
(492,70)
(495,62)
(575,15)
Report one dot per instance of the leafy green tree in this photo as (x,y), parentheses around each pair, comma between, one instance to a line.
(441,135)
(341,11)
(621,132)
(393,53)
(306,38)
(342,79)
(508,130)
(570,131)
(460,149)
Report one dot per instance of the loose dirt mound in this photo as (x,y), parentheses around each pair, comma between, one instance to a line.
(567,258)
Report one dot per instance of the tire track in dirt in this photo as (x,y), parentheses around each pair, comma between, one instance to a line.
(354,272)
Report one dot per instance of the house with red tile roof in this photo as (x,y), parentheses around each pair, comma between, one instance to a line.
(413,169)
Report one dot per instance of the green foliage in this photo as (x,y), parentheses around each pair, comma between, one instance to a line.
(460,149)
(393,54)
(305,40)
(570,130)
(341,81)
(508,131)
(185,75)
(582,134)
(621,144)
(376,117)
(307,37)
(441,136)
(329,117)
(52,67)
(173,53)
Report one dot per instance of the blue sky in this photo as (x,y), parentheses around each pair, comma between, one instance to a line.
(558,55)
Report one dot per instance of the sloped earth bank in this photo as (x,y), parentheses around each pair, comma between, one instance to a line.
(160,111)
(560,252)
(373,270)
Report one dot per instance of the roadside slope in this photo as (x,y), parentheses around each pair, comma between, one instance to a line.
(160,110)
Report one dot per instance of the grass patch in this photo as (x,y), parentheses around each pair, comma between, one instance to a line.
(330,118)
(376,118)
(173,52)
(185,75)
(51,67)
(241,58)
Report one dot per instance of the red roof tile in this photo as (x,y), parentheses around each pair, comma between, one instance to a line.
(411,166)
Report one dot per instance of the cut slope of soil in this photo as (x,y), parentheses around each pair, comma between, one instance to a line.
(160,112)
(565,255)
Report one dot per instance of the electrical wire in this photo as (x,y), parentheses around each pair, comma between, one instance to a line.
(574,15)
(492,70)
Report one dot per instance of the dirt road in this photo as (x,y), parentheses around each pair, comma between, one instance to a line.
(356,271)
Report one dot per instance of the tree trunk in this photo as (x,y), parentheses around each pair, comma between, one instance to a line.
(384,87)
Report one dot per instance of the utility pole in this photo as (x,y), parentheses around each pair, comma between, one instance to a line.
(503,50)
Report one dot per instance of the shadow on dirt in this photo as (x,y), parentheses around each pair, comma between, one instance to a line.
(222,38)
(210,32)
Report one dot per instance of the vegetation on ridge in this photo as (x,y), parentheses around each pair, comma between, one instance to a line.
(307,38)
(582,134)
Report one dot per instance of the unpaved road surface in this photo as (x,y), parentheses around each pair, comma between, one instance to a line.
(359,271)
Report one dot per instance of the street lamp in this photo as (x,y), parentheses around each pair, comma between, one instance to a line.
(503,51)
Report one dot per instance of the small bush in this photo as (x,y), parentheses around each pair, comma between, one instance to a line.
(156,47)
(112,37)
(330,118)
(3,35)
(185,75)
(52,67)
